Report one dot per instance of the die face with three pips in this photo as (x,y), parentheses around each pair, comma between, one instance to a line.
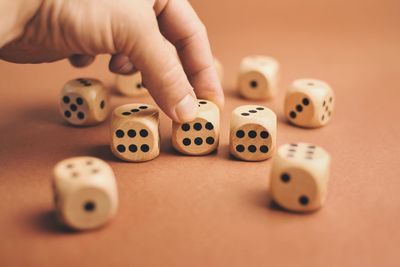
(309,103)
(252,133)
(85,192)
(201,136)
(135,132)
(299,177)
(84,102)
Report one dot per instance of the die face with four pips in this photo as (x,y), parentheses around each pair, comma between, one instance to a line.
(135,132)
(309,103)
(252,133)
(201,136)
(130,85)
(84,102)
(299,177)
(258,78)
(85,192)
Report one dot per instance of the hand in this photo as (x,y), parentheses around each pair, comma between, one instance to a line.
(133,32)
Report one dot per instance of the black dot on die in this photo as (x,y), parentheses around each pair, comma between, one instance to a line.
(73,107)
(252,134)
(89,206)
(186,142)
(203,102)
(324,103)
(245,114)
(139,85)
(126,113)
(285,177)
(264,149)
(185,127)
(264,134)
(144,148)
(292,114)
(323,117)
(132,148)
(299,108)
(306,101)
(253,84)
(260,108)
(131,133)
(253,111)
(330,99)
(81,115)
(135,110)
(79,101)
(198,141)
(143,133)
(102,104)
(67,114)
(197,126)
(209,126)
(119,133)
(210,140)
(143,107)
(66,99)
(240,148)
(240,134)
(121,148)
(252,149)
(303,200)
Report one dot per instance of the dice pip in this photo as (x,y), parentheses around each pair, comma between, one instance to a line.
(299,177)
(309,103)
(252,133)
(258,77)
(135,132)
(84,102)
(201,136)
(130,85)
(85,192)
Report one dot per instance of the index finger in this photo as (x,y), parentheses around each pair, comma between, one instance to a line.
(180,24)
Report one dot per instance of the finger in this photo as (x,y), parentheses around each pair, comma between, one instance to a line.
(80,61)
(181,26)
(121,64)
(162,73)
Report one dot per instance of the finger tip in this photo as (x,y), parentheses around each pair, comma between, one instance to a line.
(186,110)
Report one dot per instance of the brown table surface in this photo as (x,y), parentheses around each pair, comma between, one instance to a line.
(213,210)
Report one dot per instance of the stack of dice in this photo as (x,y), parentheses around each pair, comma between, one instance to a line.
(84,187)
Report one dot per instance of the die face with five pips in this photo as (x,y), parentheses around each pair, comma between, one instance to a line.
(252,133)
(130,85)
(309,103)
(258,77)
(201,136)
(299,177)
(84,102)
(85,192)
(135,132)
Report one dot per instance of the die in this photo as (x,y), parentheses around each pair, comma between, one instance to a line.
(201,136)
(84,102)
(85,192)
(252,133)
(135,132)
(299,177)
(130,85)
(309,103)
(258,77)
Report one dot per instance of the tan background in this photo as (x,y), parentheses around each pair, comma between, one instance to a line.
(215,211)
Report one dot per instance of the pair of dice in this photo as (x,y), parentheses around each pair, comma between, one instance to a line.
(308,102)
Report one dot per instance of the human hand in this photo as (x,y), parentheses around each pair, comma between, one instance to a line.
(133,32)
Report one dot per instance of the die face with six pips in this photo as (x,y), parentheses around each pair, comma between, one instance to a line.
(135,132)
(299,177)
(84,102)
(252,133)
(309,103)
(201,136)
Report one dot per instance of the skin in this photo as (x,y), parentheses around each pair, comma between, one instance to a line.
(134,32)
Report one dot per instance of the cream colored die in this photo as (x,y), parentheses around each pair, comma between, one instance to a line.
(219,68)
(85,192)
(299,177)
(309,103)
(201,136)
(84,102)
(130,85)
(252,133)
(135,132)
(258,77)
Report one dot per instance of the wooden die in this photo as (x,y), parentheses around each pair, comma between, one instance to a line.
(130,85)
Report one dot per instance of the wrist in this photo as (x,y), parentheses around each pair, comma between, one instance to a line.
(15,15)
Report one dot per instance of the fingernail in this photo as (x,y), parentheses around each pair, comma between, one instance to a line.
(186,109)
